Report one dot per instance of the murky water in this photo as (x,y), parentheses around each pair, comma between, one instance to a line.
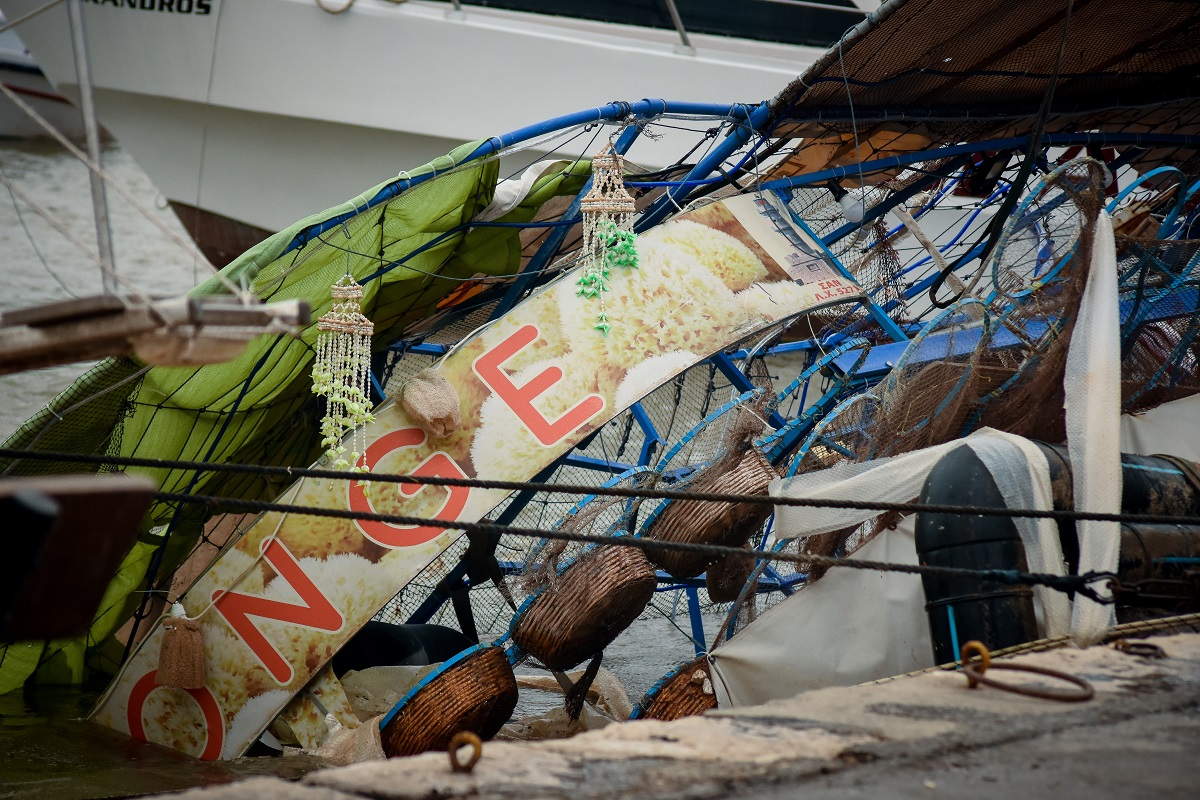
(46,751)
(39,265)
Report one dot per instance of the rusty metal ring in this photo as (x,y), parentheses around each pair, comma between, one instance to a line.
(985,660)
(462,739)
(1085,692)
(1140,648)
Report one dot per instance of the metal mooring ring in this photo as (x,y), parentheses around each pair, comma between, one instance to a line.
(985,660)
(974,672)
(457,742)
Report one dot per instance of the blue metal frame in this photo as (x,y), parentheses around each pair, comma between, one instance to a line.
(1048,140)
(612,112)
(881,319)
(864,366)
(549,248)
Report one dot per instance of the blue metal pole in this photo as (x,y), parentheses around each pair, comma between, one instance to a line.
(549,249)
(1048,140)
(693,597)
(729,145)
(642,109)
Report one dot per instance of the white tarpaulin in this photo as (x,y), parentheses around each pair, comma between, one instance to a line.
(851,626)
(857,625)
(1172,429)
(1016,465)
(1092,382)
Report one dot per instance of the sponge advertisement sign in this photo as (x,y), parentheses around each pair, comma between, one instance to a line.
(281,600)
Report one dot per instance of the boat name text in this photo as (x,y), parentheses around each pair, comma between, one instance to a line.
(199,8)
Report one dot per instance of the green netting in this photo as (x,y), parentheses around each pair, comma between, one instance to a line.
(258,408)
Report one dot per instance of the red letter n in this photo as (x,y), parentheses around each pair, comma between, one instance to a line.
(317,612)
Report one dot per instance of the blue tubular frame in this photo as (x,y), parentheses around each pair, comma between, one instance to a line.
(1168,227)
(748,122)
(696,619)
(1048,140)
(779,443)
(1140,183)
(883,320)
(642,109)
(676,196)
(879,209)
(549,249)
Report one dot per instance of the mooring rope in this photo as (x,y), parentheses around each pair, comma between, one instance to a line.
(1080,584)
(609,491)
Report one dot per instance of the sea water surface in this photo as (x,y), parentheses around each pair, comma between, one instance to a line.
(39,265)
(45,750)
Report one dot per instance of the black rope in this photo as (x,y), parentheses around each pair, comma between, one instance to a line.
(611,491)
(1080,584)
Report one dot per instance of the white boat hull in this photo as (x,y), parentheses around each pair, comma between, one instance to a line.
(264,112)
(21,74)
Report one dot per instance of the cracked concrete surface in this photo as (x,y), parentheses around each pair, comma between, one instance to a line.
(924,736)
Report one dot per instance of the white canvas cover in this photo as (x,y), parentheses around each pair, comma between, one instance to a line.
(849,627)
(858,625)
(853,626)
(1171,429)
(1092,382)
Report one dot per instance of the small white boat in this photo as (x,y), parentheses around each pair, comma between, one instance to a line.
(248,116)
(20,73)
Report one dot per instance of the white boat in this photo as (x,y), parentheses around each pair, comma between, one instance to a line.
(250,115)
(20,73)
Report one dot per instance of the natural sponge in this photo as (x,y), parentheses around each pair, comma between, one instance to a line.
(723,255)
(431,402)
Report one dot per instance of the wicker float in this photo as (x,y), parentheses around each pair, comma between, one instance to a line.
(718,523)
(685,692)
(586,607)
(474,691)
(725,577)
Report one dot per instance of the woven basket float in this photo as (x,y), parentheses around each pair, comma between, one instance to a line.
(702,522)
(725,577)
(474,691)
(588,605)
(680,694)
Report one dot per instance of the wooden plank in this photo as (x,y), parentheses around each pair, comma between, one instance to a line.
(95,525)
(64,311)
(26,347)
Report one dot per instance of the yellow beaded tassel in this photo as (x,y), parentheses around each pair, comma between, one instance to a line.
(341,374)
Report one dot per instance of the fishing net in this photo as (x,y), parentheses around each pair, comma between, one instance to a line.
(637,436)
(605,515)
(868,119)
(997,363)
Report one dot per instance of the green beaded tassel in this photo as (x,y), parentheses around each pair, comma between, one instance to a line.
(607,241)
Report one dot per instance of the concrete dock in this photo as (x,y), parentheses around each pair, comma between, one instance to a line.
(921,736)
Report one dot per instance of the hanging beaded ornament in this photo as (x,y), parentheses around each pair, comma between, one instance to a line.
(341,373)
(607,241)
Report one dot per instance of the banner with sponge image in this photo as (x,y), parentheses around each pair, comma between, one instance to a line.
(281,600)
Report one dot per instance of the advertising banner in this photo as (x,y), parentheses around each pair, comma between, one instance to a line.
(279,602)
